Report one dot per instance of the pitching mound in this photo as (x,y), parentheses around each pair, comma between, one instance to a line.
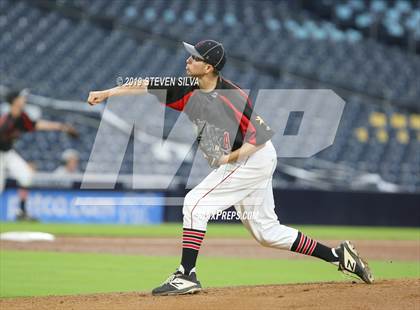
(389,294)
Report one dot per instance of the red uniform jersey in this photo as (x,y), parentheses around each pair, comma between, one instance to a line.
(227,108)
(12,128)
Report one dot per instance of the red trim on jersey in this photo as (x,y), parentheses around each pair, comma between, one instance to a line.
(210,192)
(241,92)
(226,141)
(27,122)
(243,121)
(180,103)
(3,119)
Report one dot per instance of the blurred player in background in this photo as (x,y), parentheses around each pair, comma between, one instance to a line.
(69,168)
(12,125)
(70,162)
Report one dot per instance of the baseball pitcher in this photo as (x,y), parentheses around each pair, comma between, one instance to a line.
(237,144)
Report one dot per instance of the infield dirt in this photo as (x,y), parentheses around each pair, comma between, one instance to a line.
(215,247)
(386,294)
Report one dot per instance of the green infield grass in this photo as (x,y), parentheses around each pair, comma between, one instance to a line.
(25,273)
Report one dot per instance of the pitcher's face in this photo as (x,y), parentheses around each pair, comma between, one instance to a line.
(197,67)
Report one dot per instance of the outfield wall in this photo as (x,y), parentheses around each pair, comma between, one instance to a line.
(339,208)
(154,207)
(77,206)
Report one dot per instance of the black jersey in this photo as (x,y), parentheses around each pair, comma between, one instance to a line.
(12,128)
(227,108)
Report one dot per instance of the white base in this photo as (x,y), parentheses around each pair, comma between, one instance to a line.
(26,236)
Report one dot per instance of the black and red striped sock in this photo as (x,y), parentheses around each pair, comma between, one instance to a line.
(308,246)
(191,243)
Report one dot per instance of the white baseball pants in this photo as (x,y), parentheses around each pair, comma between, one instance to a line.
(11,164)
(246,185)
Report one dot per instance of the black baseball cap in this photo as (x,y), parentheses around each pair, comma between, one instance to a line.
(209,51)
